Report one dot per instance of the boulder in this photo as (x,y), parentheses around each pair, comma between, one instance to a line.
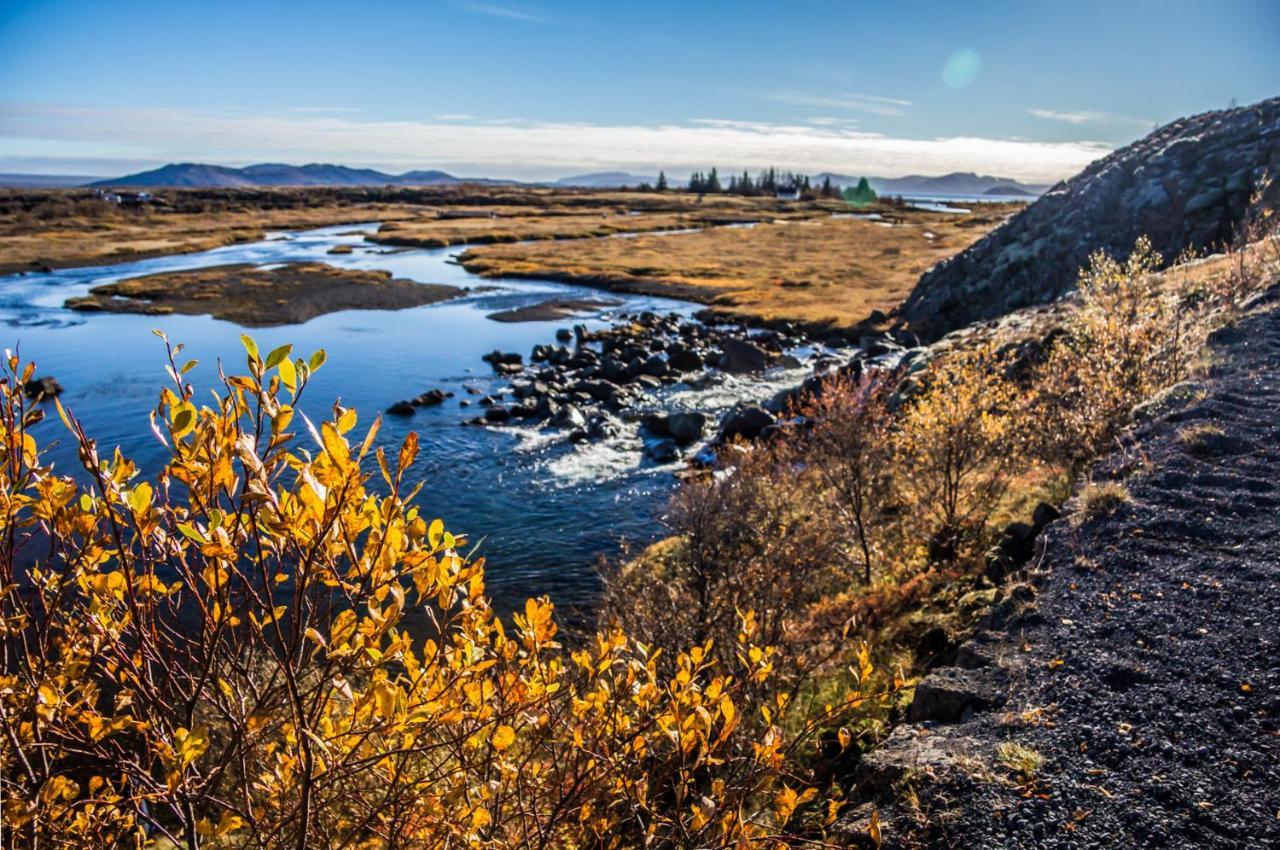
(564,335)
(686,427)
(499,358)
(654,365)
(952,694)
(746,420)
(569,418)
(682,358)
(663,451)
(742,357)
(431,398)
(497,414)
(401,408)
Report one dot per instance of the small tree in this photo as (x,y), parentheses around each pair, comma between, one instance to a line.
(662,182)
(849,445)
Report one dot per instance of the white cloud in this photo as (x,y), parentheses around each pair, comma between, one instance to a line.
(851,101)
(503,12)
(1077,118)
(529,150)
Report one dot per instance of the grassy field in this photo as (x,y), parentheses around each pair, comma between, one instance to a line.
(61,228)
(817,271)
(90,234)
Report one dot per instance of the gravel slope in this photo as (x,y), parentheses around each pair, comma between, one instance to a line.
(1143,660)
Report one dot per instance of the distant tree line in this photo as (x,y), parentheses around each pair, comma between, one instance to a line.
(767,183)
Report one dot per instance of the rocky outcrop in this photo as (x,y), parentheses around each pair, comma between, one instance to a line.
(1189,184)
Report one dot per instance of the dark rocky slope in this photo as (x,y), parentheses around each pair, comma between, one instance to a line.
(1187,185)
(1141,659)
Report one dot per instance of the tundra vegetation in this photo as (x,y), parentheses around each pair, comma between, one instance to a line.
(822,272)
(268,646)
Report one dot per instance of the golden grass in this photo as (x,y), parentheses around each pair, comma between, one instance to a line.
(80,241)
(199,220)
(820,271)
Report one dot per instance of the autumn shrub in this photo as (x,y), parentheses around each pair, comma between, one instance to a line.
(954,448)
(1131,335)
(746,538)
(266,646)
(848,445)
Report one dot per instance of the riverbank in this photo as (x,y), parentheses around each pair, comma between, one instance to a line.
(258,297)
(823,273)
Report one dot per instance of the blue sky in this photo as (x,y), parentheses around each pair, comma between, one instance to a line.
(536,88)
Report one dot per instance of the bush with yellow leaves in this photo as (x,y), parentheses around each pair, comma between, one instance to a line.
(267,647)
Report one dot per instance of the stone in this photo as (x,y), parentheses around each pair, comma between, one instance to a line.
(499,358)
(663,451)
(654,365)
(430,398)
(401,408)
(686,427)
(564,334)
(682,358)
(1044,514)
(497,414)
(745,420)
(569,417)
(742,357)
(951,694)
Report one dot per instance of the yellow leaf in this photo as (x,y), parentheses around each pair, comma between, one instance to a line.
(503,737)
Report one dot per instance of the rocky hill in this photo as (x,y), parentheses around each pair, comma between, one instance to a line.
(1189,184)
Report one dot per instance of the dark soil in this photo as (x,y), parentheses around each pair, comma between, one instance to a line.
(1145,667)
(258,297)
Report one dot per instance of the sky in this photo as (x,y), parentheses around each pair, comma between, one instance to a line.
(538,89)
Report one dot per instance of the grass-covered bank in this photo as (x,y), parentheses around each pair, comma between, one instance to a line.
(821,272)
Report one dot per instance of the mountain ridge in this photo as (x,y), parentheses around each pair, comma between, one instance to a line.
(260,175)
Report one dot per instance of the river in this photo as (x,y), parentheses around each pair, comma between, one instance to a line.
(544,510)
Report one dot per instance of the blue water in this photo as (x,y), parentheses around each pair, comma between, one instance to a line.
(545,510)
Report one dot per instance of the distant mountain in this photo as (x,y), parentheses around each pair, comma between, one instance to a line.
(967,184)
(606,180)
(44,181)
(199,175)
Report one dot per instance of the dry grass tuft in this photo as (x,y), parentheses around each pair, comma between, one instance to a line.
(1099,500)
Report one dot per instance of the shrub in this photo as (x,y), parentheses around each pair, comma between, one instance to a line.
(848,445)
(1131,336)
(261,648)
(954,447)
(1099,500)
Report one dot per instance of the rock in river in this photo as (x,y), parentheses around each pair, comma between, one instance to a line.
(745,420)
(742,357)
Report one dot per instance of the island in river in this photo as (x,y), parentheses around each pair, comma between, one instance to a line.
(256,296)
